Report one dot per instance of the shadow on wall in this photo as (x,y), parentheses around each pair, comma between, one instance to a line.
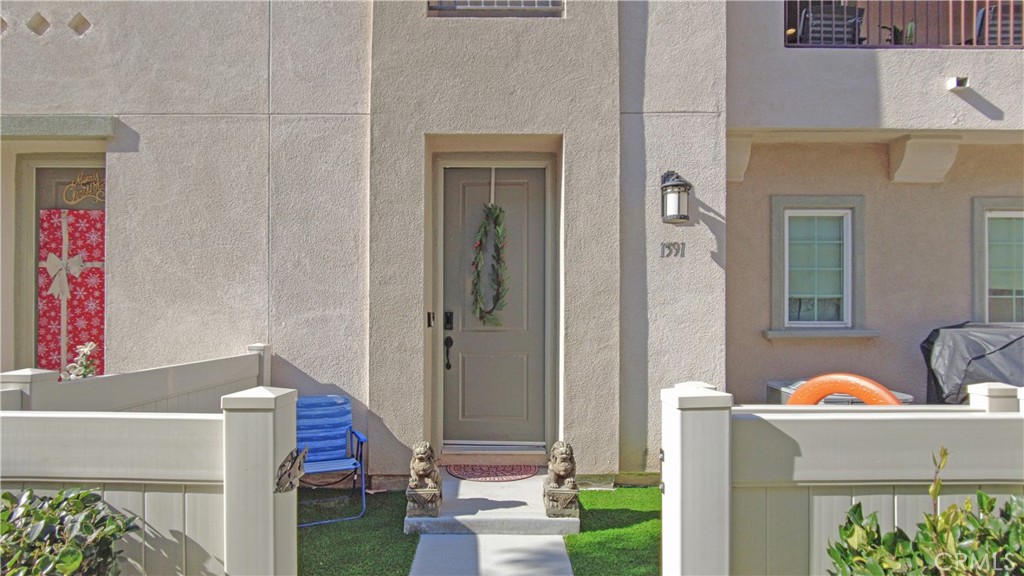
(633,375)
(981,104)
(125,138)
(716,224)
(393,455)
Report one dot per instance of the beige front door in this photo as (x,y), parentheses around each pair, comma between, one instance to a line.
(494,370)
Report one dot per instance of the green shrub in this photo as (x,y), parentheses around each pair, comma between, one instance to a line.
(73,532)
(957,540)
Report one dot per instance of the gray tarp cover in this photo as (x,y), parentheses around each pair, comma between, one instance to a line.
(972,353)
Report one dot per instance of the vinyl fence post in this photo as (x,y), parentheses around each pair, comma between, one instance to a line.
(696,486)
(260,534)
(24,381)
(265,351)
(994,397)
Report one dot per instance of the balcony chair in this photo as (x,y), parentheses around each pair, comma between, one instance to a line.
(324,427)
(830,25)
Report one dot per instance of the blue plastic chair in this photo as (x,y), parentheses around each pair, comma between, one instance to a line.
(324,427)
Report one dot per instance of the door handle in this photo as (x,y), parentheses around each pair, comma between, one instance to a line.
(448,342)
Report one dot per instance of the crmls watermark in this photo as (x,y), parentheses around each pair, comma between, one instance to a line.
(962,563)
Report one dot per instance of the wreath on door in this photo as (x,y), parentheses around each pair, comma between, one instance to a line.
(493,222)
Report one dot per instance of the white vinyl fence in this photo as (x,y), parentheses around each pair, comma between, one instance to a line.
(195,387)
(762,489)
(202,485)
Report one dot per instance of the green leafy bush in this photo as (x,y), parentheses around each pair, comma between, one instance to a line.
(73,532)
(956,541)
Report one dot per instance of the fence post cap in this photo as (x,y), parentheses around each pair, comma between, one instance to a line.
(993,390)
(695,395)
(28,375)
(259,398)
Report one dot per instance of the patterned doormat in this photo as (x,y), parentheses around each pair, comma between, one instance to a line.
(491,473)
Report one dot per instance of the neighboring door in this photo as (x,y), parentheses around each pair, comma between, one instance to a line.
(60,293)
(494,373)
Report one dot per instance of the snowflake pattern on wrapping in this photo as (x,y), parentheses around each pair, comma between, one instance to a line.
(85,309)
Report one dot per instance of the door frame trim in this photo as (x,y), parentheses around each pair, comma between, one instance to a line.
(552,281)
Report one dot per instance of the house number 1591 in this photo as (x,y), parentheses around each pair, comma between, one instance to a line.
(672,249)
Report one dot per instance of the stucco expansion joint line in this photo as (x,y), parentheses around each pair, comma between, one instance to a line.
(683,113)
(240,114)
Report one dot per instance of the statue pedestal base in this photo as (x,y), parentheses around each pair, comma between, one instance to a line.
(562,502)
(422,502)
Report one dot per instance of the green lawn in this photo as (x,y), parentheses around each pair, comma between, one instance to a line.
(372,545)
(620,533)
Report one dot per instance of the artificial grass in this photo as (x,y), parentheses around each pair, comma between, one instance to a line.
(620,533)
(372,545)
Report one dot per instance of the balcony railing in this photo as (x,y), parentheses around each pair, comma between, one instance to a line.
(904,23)
(485,8)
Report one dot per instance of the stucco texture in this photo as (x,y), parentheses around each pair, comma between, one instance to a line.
(137,57)
(495,76)
(917,260)
(318,254)
(771,85)
(186,239)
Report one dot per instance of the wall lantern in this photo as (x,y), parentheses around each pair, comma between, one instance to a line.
(675,198)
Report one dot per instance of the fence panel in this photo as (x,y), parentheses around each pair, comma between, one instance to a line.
(171,471)
(794,471)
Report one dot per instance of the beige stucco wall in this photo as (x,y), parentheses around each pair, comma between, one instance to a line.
(673,118)
(236,181)
(771,86)
(917,252)
(495,76)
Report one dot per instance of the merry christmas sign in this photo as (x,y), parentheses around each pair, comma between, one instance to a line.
(70,286)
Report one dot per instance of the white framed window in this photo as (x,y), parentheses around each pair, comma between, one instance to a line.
(818,287)
(1004,266)
(818,275)
(997,243)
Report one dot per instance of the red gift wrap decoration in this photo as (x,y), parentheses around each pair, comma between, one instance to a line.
(70,286)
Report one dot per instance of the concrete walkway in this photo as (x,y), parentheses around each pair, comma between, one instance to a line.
(490,555)
(492,528)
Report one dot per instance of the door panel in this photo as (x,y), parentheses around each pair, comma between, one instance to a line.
(494,390)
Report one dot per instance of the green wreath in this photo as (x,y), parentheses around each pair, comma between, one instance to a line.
(494,217)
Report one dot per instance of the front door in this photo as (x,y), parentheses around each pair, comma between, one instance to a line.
(494,354)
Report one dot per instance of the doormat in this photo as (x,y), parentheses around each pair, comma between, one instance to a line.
(491,473)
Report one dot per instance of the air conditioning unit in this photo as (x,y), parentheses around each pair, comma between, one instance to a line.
(779,392)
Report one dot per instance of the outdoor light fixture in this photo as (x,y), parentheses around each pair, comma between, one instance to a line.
(675,197)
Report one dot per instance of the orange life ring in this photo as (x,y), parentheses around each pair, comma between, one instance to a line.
(816,389)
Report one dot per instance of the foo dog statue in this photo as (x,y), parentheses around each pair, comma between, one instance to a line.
(423,467)
(424,492)
(561,495)
(561,466)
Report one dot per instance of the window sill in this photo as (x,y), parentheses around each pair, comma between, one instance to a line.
(819,333)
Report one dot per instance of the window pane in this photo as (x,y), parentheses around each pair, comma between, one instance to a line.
(801,228)
(816,275)
(801,309)
(1000,310)
(830,283)
(830,310)
(830,255)
(1005,256)
(801,283)
(1005,269)
(829,228)
(801,255)
(1006,230)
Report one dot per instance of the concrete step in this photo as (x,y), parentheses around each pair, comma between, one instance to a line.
(471,507)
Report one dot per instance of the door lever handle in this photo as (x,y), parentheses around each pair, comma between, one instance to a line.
(448,342)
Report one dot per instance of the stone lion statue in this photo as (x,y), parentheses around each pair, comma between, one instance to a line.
(561,466)
(423,467)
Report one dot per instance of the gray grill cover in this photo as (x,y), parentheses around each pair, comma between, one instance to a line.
(971,353)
